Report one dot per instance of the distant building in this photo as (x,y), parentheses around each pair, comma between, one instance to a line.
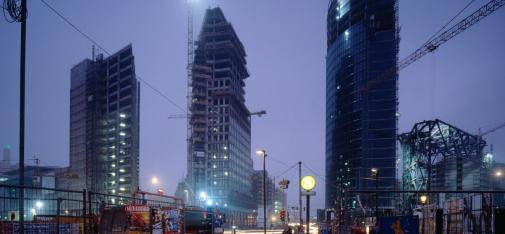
(35,176)
(361,99)
(276,198)
(219,160)
(41,182)
(280,200)
(184,192)
(6,164)
(104,124)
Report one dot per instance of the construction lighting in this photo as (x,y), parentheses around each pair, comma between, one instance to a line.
(374,171)
(209,202)
(423,199)
(203,196)
(39,204)
(154,180)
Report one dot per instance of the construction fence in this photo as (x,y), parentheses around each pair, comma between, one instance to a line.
(67,212)
(434,212)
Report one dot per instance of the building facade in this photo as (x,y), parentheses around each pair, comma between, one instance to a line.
(104,124)
(276,198)
(6,160)
(361,98)
(219,160)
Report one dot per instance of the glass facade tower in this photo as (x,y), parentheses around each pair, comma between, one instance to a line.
(104,124)
(219,163)
(361,100)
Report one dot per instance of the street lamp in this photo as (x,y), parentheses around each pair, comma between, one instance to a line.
(498,174)
(154,180)
(263,153)
(308,183)
(375,174)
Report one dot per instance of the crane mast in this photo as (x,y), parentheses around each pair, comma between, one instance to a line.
(189,97)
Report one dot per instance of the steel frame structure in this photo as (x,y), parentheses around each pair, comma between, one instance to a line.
(432,142)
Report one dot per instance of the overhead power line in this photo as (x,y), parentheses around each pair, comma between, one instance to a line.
(93,41)
(286,171)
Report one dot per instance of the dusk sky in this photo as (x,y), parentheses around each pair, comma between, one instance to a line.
(461,83)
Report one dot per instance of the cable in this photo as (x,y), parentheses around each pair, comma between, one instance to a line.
(102,48)
(320,177)
(284,172)
(450,21)
(315,173)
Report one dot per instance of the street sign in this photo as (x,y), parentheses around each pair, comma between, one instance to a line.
(308,193)
(308,182)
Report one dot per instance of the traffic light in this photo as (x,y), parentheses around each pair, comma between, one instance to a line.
(282,215)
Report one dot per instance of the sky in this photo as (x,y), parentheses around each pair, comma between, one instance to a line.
(285,40)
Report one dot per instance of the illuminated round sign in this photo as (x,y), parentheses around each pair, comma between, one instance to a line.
(308,182)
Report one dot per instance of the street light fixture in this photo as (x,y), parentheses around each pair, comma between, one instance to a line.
(375,174)
(498,174)
(263,153)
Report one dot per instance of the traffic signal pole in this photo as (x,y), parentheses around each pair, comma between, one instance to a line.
(300,191)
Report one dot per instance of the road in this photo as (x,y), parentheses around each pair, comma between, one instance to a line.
(254,231)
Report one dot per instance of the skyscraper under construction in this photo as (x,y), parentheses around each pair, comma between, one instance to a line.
(104,124)
(361,100)
(219,160)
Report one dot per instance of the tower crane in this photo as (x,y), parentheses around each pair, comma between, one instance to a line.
(439,40)
(450,33)
(493,129)
(257,113)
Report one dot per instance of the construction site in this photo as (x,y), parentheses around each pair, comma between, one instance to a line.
(447,177)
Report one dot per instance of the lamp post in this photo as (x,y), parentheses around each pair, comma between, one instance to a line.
(308,183)
(498,174)
(263,153)
(423,199)
(375,174)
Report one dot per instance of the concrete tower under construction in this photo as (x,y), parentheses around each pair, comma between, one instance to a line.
(219,161)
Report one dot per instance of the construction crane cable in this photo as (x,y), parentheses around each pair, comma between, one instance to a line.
(436,42)
(493,129)
(93,41)
(450,21)
(455,30)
